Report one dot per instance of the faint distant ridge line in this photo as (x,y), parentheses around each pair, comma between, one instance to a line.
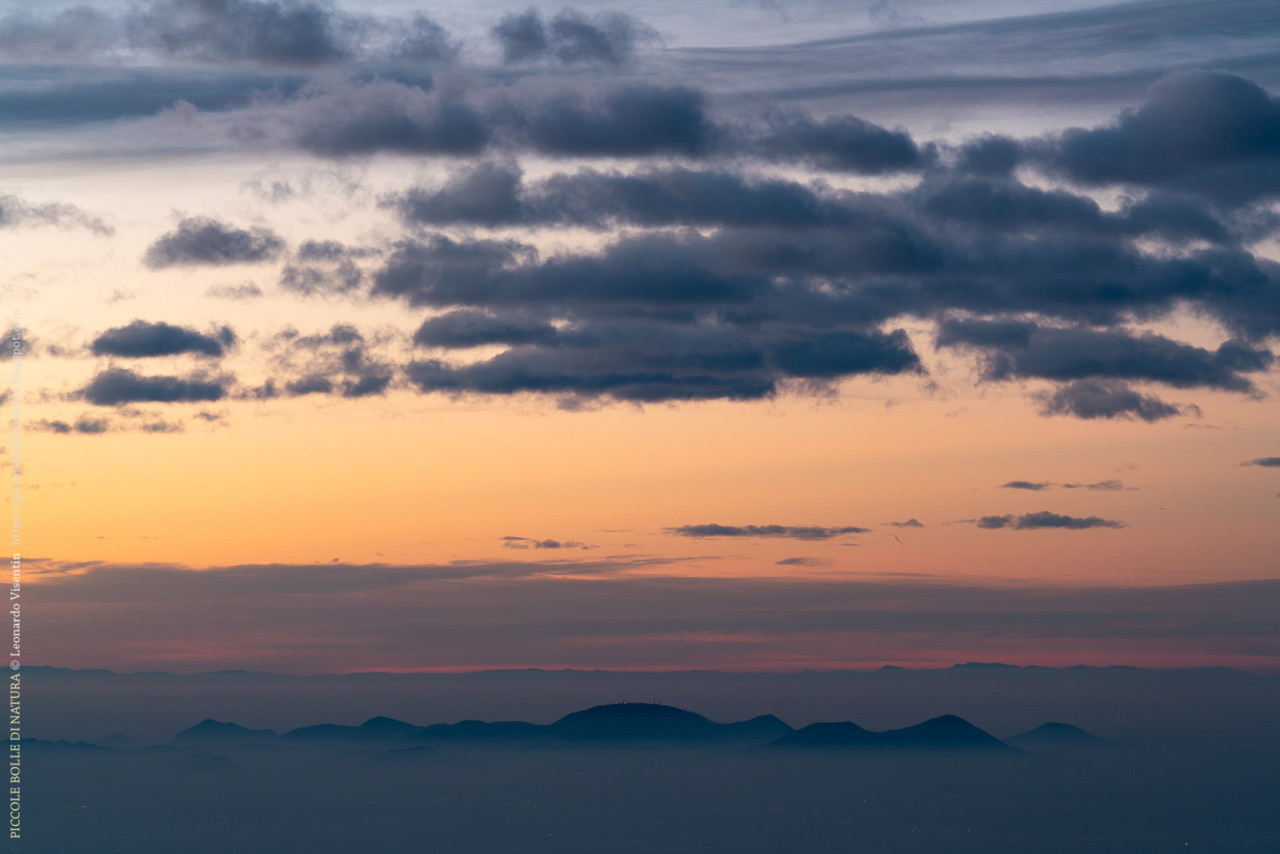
(618,724)
(54,670)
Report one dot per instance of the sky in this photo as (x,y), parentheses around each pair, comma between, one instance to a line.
(733,335)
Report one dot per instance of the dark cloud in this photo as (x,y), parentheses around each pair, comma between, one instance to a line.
(1269,462)
(161,427)
(340,361)
(141,339)
(650,363)
(116,386)
(423,40)
(1207,132)
(203,241)
(287,32)
(1045,519)
(243,291)
(17,212)
(342,120)
(629,121)
(1029,350)
(494,195)
(530,543)
(570,37)
(791,532)
(472,328)
(1026,484)
(84,426)
(990,155)
(910,523)
(485,195)
(1100,399)
(644,321)
(839,143)
(803,561)
(323,268)
(1100,486)
(292,34)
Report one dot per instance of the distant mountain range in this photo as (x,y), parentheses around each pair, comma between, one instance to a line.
(639,724)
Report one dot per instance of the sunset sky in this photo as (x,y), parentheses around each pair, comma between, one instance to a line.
(730,335)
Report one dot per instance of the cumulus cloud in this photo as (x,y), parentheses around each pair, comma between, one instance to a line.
(494,194)
(83,426)
(1208,132)
(289,34)
(340,362)
(1100,486)
(1090,400)
(141,339)
(342,120)
(839,143)
(242,291)
(283,32)
(1045,519)
(16,212)
(323,267)
(531,543)
(790,532)
(570,37)
(116,386)
(199,241)
(1014,349)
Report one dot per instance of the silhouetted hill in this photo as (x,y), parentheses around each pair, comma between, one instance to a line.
(209,731)
(832,734)
(375,729)
(61,745)
(1053,735)
(636,721)
(762,726)
(947,732)
(484,730)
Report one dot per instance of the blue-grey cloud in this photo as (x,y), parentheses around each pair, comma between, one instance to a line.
(16,212)
(294,34)
(802,561)
(840,144)
(242,291)
(116,386)
(570,37)
(1034,486)
(531,543)
(790,532)
(1044,519)
(199,241)
(1100,486)
(1268,462)
(84,426)
(323,267)
(1206,132)
(340,362)
(1028,350)
(141,339)
(473,328)
(1098,399)
(494,195)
